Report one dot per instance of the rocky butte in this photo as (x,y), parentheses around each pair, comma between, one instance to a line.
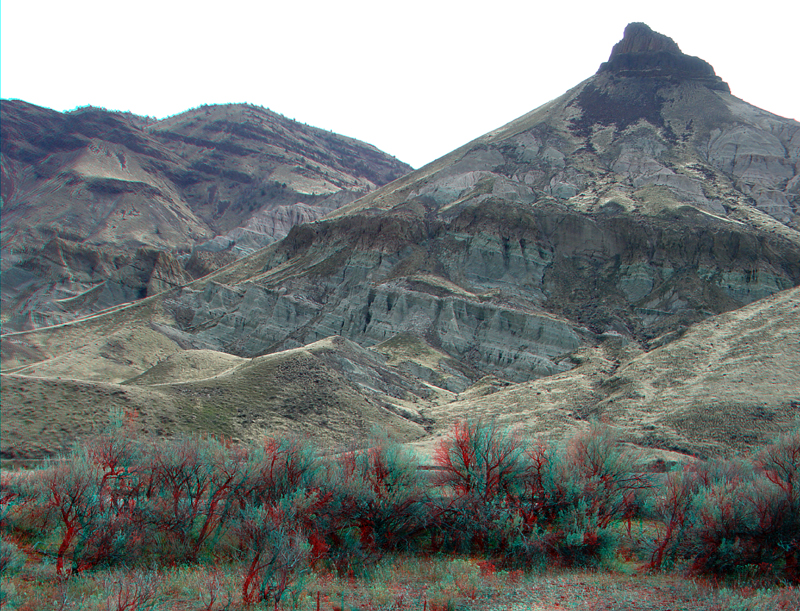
(645,53)
(628,250)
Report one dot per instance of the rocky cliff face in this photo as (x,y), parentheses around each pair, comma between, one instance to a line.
(110,183)
(642,201)
(645,53)
(50,287)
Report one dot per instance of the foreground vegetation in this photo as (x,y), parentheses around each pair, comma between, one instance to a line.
(395,583)
(196,523)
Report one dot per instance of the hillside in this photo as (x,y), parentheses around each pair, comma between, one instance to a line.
(628,251)
(92,196)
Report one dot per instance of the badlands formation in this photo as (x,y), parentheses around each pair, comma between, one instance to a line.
(115,203)
(628,251)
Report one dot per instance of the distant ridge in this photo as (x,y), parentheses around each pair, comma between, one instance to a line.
(100,185)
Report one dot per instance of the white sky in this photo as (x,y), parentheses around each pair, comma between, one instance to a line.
(416,78)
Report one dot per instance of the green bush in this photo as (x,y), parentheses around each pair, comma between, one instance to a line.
(729,517)
(12,559)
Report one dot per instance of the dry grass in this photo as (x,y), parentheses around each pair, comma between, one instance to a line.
(300,391)
(395,583)
(188,366)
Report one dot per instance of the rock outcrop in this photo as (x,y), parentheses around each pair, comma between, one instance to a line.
(645,53)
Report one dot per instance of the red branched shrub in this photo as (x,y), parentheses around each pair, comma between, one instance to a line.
(726,517)
(69,490)
(481,462)
(275,546)
(276,469)
(383,494)
(671,504)
(481,472)
(281,508)
(131,591)
(610,477)
(780,463)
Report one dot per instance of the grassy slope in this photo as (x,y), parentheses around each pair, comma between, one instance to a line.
(294,392)
(729,382)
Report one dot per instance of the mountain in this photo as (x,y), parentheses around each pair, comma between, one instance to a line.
(642,201)
(89,193)
(578,262)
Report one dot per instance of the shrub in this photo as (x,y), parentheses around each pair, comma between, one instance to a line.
(481,470)
(275,546)
(780,463)
(11,558)
(379,494)
(21,512)
(750,516)
(671,505)
(543,492)
(277,468)
(131,591)
(571,497)
(609,477)
(191,484)
(69,491)
(725,517)
(280,509)
(481,462)
(778,513)
(719,540)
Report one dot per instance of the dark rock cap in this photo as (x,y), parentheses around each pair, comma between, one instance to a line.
(645,53)
(639,38)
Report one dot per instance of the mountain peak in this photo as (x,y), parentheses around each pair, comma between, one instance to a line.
(645,53)
(639,38)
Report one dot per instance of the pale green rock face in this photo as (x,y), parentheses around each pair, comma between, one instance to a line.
(749,286)
(631,205)
(636,280)
(507,342)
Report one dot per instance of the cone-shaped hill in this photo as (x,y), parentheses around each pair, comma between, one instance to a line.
(641,201)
